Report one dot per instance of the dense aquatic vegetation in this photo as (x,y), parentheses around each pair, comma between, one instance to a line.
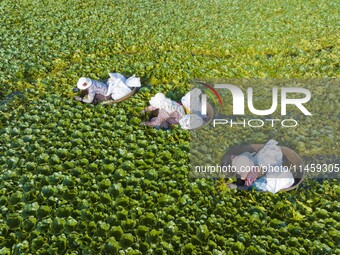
(84,179)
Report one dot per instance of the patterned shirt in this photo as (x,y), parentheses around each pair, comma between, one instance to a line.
(97,87)
(163,116)
(252,176)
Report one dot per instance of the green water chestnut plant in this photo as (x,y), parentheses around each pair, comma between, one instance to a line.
(84,179)
(71,196)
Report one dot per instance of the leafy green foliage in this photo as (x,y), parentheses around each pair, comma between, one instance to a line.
(78,178)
